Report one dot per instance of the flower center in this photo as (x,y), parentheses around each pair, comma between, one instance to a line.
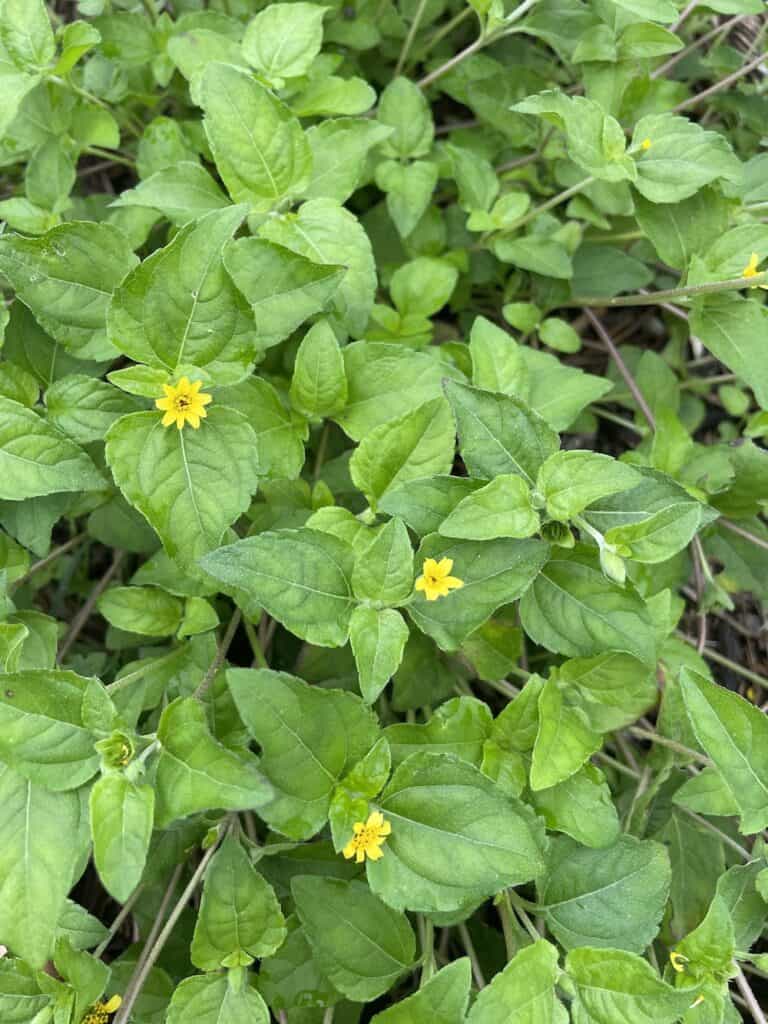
(365,838)
(182,402)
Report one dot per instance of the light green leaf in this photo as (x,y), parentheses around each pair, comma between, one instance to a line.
(499,433)
(614,689)
(282,287)
(147,610)
(424,504)
(20,997)
(604,898)
(500,509)
(361,944)
(378,637)
(122,813)
(409,189)
(734,733)
(259,146)
(442,1000)
(213,998)
(419,444)
(330,94)
(291,978)
(564,740)
(45,836)
(239,917)
(582,807)
(197,773)
(680,230)
(309,738)
(326,233)
(283,40)
(574,610)
(497,359)
(301,577)
(653,10)
(456,837)
(319,383)
(682,158)
(35,459)
(339,147)
(403,107)
(183,192)
(421,287)
(279,432)
(735,331)
(42,733)
(524,992)
(460,727)
(85,408)
(494,573)
(614,985)
(66,278)
(383,572)
(544,256)
(178,480)
(571,480)
(27,34)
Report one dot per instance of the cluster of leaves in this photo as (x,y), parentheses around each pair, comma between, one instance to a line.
(375,234)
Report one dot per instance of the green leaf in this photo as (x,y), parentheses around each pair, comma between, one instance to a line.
(614,689)
(309,738)
(403,107)
(733,330)
(326,233)
(680,230)
(283,40)
(362,945)
(35,459)
(409,189)
(279,432)
(66,278)
(196,773)
(300,577)
(282,287)
(425,504)
(500,509)
(564,740)
(45,836)
(612,897)
(460,727)
(499,433)
(682,158)
(180,308)
(442,1000)
(20,997)
(475,177)
(27,34)
(653,10)
(386,381)
(291,977)
(734,733)
(422,286)
(319,383)
(42,733)
(182,193)
(339,147)
(494,573)
(85,408)
(581,806)
(383,571)
(121,823)
(571,480)
(614,985)
(524,992)
(542,256)
(420,443)
(211,998)
(239,917)
(572,609)
(456,837)
(378,639)
(146,610)
(259,147)
(178,480)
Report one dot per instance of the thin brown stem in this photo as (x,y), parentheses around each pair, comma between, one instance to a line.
(746,534)
(695,45)
(85,612)
(49,558)
(691,291)
(720,659)
(623,369)
(749,997)
(724,83)
(125,910)
(221,653)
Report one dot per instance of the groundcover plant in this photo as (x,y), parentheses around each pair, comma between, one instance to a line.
(382,404)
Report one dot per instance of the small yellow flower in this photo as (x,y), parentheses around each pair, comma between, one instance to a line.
(99,1013)
(183,402)
(436,580)
(751,270)
(646,144)
(367,838)
(678,961)
(697,1002)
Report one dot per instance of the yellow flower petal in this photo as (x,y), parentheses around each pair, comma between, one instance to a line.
(421,583)
(349,850)
(169,418)
(385,829)
(114,1004)
(678,961)
(374,853)
(360,856)
(453,582)
(444,566)
(375,820)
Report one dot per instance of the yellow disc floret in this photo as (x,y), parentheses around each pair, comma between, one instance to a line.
(183,403)
(368,838)
(436,580)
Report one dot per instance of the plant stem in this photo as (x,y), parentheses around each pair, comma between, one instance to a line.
(504,911)
(522,914)
(258,654)
(85,612)
(623,369)
(734,528)
(466,939)
(561,197)
(749,997)
(720,659)
(142,971)
(125,910)
(663,741)
(695,45)
(447,28)
(108,154)
(724,83)
(414,28)
(427,934)
(221,653)
(51,557)
(686,291)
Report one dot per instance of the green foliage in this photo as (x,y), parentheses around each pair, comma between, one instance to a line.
(383,406)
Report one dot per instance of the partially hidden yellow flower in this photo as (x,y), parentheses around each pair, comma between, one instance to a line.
(183,403)
(436,580)
(99,1013)
(367,839)
(678,961)
(646,144)
(751,269)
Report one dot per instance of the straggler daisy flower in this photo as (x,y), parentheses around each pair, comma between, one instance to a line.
(751,270)
(646,145)
(436,580)
(367,838)
(183,403)
(99,1013)
(678,961)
